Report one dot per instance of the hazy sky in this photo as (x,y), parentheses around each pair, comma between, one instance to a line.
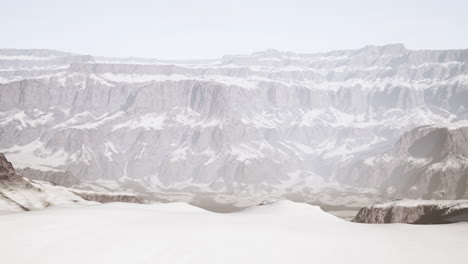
(211,28)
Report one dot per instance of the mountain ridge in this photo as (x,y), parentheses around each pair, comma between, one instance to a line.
(239,124)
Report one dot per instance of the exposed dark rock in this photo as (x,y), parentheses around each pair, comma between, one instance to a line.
(8,176)
(415,212)
(6,169)
(109,198)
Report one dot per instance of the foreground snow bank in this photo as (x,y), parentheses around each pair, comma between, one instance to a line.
(284,232)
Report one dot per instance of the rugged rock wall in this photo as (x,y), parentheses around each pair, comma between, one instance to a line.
(6,169)
(9,179)
(415,212)
(62,178)
(109,197)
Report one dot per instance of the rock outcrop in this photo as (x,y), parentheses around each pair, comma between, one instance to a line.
(415,212)
(21,194)
(9,179)
(109,197)
(62,178)
(6,169)
(67,179)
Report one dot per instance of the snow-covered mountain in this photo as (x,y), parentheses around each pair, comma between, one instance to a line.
(243,124)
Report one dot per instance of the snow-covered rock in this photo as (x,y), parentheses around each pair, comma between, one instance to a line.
(21,194)
(108,197)
(62,178)
(415,212)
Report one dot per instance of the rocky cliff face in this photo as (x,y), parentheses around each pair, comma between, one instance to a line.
(7,172)
(415,212)
(9,179)
(241,124)
(429,162)
(6,169)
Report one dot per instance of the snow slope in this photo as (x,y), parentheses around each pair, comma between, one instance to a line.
(284,232)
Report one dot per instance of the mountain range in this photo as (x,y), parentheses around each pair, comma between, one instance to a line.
(383,120)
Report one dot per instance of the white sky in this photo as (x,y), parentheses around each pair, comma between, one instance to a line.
(183,29)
